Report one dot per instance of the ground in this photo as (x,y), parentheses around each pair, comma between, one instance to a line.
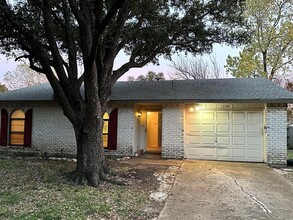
(38,189)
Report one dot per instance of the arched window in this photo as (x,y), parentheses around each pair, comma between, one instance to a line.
(105,129)
(17,121)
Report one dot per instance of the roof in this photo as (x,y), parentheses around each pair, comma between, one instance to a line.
(206,90)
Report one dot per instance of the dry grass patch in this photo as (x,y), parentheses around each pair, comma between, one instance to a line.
(38,189)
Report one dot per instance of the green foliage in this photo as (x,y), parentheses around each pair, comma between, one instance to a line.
(3,88)
(270,49)
(247,64)
(150,76)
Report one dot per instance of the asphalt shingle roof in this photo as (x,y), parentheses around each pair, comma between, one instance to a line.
(207,90)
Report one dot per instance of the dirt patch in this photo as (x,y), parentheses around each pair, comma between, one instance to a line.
(287,173)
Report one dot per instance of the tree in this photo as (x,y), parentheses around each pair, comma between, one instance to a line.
(55,36)
(23,76)
(3,88)
(195,68)
(270,49)
(150,76)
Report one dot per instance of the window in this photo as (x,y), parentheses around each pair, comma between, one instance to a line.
(110,130)
(17,121)
(105,130)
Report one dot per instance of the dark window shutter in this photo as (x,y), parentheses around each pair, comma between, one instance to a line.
(4,127)
(112,130)
(28,128)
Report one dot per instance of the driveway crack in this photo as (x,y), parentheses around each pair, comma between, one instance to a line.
(253,198)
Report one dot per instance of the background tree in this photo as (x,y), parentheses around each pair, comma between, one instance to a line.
(195,68)
(270,50)
(3,88)
(150,76)
(23,76)
(55,36)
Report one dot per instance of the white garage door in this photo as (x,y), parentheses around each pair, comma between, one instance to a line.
(224,135)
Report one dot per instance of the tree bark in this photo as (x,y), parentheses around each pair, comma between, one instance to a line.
(91,166)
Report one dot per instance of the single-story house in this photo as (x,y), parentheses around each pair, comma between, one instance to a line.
(243,119)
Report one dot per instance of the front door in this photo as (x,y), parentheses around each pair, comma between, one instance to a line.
(154,131)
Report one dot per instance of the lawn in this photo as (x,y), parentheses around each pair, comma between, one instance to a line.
(290,154)
(39,189)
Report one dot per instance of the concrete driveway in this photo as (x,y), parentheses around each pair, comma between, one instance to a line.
(225,190)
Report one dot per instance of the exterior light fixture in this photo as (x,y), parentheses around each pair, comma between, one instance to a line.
(138,114)
(191,109)
(197,108)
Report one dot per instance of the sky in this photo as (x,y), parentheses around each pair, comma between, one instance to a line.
(220,52)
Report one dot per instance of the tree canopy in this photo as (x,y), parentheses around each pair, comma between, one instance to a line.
(270,49)
(22,77)
(58,36)
(150,76)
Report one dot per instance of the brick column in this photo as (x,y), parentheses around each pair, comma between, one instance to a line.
(173,132)
(276,122)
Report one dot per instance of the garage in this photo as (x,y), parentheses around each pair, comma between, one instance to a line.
(225,132)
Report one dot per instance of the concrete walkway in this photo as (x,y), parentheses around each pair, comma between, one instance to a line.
(206,190)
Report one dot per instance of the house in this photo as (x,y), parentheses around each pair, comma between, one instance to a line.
(216,119)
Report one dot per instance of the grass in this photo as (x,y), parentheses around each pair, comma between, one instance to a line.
(290,154)
(35,189)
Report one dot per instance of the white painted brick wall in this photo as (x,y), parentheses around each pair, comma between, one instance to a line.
(52,132)
(173,132)
(276,121)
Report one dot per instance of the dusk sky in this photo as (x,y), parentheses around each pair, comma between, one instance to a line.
(221,53)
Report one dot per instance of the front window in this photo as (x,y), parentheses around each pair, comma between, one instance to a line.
(105,130)
(17,127)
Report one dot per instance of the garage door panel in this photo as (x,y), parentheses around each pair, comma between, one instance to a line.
(223,116)
(238,128)
(194,127)
(194,139)
(209,152)
(208,140)
(254,140)
(254,117)
(255,154)
(208,128)
(255,129)
(238,152)
(238,116)
(223,129)
(208,116)
(224,153)
(224,140)
(238,141)
(195,116)
(194,152)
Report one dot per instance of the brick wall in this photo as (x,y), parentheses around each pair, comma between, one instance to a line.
(173,132)
(276,139)
(52,131)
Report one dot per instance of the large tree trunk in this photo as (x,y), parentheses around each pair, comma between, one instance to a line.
(91,165)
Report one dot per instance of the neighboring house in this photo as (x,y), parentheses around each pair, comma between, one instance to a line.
(215,119)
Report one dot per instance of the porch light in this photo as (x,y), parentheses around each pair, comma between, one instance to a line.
(191,109)
(197,108)
(138,114)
